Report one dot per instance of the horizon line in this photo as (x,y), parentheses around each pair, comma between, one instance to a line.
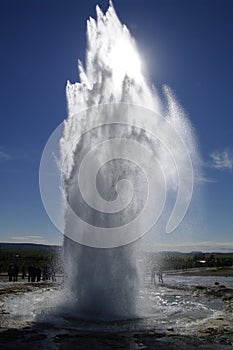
(179,250)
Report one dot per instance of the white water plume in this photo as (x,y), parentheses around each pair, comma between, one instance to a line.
(124,157)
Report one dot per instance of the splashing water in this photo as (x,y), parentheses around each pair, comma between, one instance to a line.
(120,165)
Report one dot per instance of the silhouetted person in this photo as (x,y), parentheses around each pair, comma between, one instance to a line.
(30,273)
(153,272)
(33,274)
(46,275)
(53,275)
(38,274)
(160,275)
(11,273)
(15,273)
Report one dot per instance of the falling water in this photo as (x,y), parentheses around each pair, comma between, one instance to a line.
(104,280)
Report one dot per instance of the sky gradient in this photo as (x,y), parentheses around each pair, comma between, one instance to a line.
(187,45)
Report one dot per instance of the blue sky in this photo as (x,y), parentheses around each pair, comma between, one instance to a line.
(185,44)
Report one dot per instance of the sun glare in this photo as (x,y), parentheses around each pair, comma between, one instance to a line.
(125,61)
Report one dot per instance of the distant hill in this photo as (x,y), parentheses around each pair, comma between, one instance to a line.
(28,246)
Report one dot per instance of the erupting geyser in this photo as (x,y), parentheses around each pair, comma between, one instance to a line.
(121,162)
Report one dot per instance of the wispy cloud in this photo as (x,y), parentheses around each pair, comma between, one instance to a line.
(29,238)
(36,237)
(204,179)
(18,155)
(221,160)
(4,155)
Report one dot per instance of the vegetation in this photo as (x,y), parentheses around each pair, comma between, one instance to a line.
(39,255)
(183,261)
(25,255)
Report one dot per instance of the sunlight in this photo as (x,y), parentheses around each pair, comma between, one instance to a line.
(125,61)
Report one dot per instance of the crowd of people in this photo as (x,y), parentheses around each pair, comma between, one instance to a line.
(34,274)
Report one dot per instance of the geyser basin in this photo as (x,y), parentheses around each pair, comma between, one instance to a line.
(125,158)
(174,319)
(165,308)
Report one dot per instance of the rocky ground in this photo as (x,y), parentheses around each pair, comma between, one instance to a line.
(217,333)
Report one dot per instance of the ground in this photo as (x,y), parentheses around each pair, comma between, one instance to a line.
(217,333)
